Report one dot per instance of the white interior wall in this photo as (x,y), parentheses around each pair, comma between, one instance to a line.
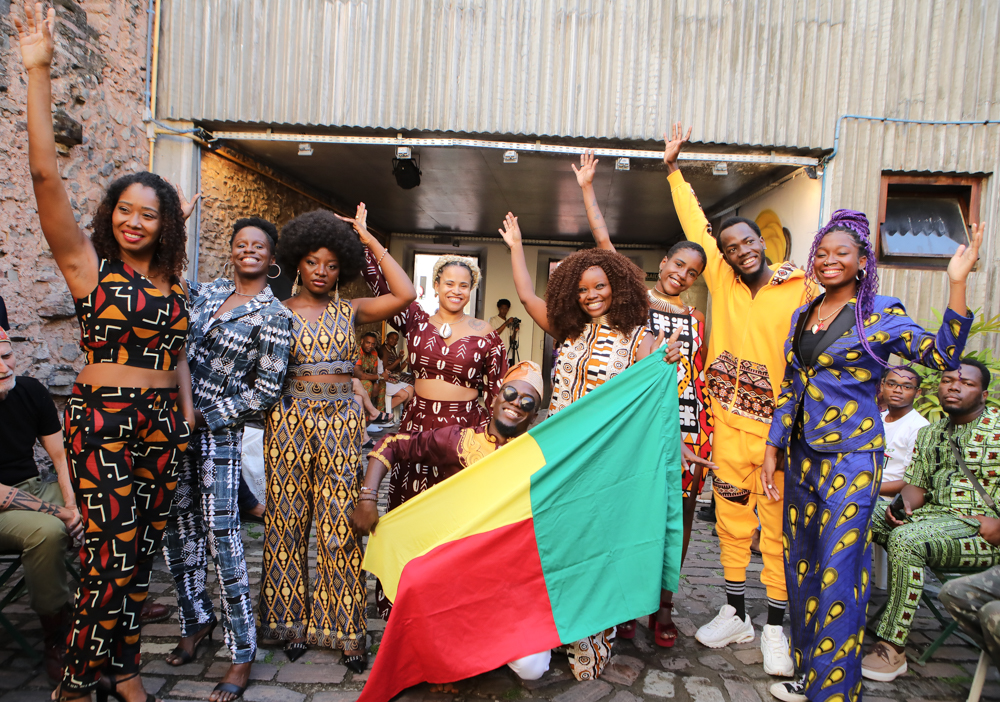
(796,202)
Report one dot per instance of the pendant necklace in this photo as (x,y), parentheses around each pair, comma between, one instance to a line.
(821,324)
(445,329)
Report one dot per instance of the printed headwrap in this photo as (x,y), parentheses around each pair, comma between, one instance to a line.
(528,371)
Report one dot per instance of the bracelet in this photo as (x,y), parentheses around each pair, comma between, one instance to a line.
(367,499)
(368,490)
(379,261)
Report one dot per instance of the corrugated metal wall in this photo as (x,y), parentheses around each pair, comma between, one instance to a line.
(766,72)
(776,73)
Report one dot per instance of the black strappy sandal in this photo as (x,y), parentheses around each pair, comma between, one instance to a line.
(108,685)
(356,662)
(235,690)
(295,650)
(182,656)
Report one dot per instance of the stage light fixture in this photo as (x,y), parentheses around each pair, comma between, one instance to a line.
(510,156)
(403,152)
(305,149)
(622,164)
(407,172)
(721,168)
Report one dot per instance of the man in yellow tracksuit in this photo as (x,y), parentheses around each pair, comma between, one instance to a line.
(752,306)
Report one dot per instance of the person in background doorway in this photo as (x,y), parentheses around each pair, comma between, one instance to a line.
(678,271)
(899,389)
(369,371)
(451,355)
(504,327)
(38,519)
(399,383)
(751,309)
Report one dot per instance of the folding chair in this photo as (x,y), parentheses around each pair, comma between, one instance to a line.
(12,561)
(949,625)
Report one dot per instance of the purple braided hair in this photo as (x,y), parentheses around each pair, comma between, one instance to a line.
(856,224)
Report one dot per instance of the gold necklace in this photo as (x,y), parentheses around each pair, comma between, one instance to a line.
(821,324)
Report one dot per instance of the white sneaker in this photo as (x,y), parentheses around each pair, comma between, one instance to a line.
(725,629)
(789,691)
(774,647)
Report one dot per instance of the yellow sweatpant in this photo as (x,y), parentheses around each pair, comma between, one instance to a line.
(736,483)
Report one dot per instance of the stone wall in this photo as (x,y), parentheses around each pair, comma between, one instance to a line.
(98,88)
(230,191)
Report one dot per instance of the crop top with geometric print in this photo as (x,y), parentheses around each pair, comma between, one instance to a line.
(128,321)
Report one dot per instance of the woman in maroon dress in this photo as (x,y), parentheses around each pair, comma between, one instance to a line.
(453,356)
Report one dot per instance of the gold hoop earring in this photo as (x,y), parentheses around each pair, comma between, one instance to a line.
(228,270)
(297,285)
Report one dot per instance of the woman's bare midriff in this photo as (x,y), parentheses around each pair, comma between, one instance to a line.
(119,376)
(443,391)
(332,378)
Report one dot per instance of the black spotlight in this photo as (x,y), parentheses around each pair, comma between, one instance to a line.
(407,173)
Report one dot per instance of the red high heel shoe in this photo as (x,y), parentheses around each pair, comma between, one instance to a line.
(664,635)
(626,630)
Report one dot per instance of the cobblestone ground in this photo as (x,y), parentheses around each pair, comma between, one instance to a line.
(639,670)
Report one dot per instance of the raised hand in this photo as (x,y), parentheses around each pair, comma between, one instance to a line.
(588,167)
(35,36)
(673,148)
(187,206)
(965,257)
(360,224)
(511,232)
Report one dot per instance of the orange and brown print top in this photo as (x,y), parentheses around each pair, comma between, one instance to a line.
(746,359)
(127,320)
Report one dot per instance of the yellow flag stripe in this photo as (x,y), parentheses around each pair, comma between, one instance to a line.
(502,481)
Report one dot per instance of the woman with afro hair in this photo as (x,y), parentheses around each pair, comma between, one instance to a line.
(596,308)
(128,418)
(313,436)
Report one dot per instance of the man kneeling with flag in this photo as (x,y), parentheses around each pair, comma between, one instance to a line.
(454,448)
(560,532)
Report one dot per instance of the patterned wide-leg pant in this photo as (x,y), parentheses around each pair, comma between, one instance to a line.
(312,449)
(206,512)
(124,447)
(829,498)
(931,539)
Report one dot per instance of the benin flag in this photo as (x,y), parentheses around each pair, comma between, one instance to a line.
(558,535)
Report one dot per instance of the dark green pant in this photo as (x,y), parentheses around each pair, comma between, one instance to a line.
(42,540)
(974,601)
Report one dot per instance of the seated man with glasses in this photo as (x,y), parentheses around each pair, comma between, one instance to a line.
(453,448)
(899,390)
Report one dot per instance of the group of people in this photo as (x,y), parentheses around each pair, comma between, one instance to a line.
(780,401)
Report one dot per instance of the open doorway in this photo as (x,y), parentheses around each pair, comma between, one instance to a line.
(423,281)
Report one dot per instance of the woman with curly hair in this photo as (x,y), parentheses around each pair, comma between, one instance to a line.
(312,440)
(128,418)
(237,350)
(451,356)
(679,269)
(596,307)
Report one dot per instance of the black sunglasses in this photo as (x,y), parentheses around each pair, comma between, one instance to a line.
(510,393)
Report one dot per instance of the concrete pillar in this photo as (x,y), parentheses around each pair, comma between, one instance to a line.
(178,159)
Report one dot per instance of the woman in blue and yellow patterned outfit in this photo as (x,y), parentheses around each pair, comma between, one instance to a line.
(829,429)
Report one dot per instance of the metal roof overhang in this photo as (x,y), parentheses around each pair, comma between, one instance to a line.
(466,187)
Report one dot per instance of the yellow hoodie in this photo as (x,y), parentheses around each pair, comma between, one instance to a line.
(746,358)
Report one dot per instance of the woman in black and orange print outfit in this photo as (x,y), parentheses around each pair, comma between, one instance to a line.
(127,421)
